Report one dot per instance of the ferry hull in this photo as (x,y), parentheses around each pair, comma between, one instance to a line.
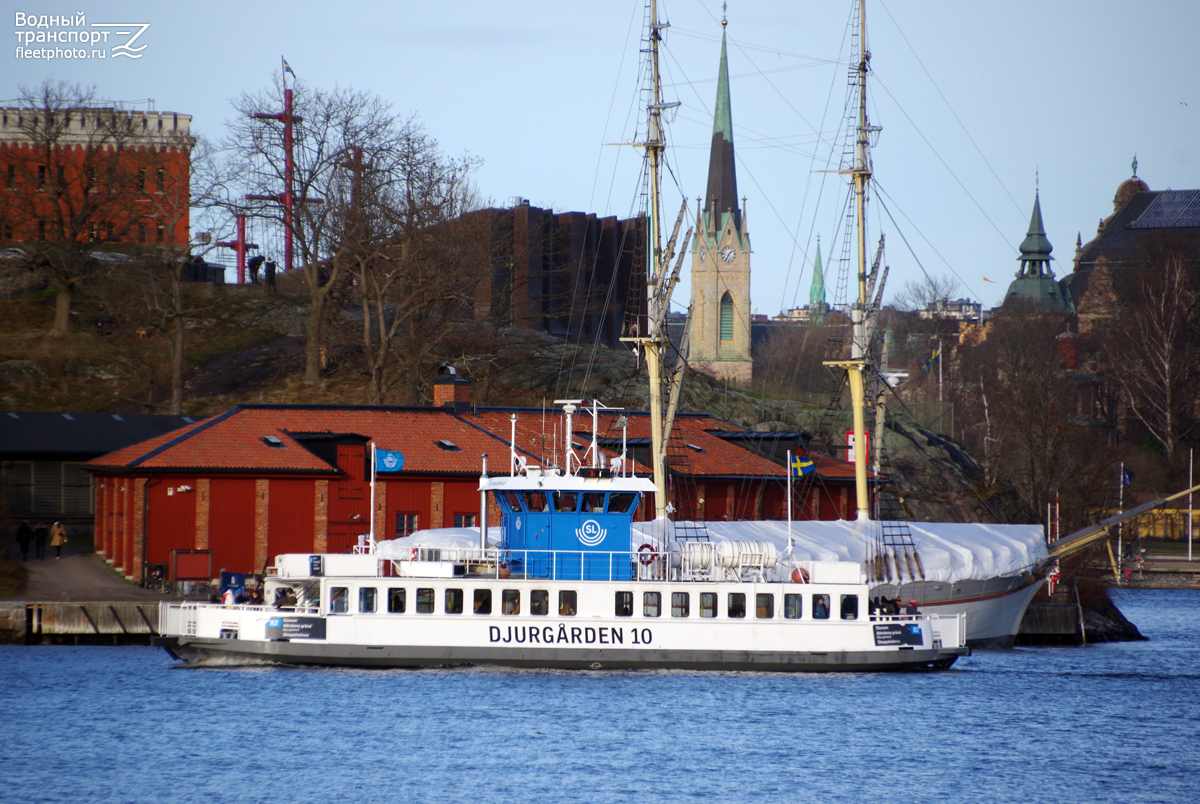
(204,651)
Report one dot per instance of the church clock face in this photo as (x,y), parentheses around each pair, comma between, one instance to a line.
(728,254)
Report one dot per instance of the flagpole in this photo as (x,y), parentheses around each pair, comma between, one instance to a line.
(373,455)
(1120,510)
(789,501)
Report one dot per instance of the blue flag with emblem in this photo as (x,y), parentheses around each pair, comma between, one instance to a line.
(802,465)
(388,460)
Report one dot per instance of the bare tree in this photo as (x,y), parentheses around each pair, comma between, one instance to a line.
(1152,349)
(917,296)
(332,127)
(159,288)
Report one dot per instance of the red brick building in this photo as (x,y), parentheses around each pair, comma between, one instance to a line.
(94,175)
(260,480)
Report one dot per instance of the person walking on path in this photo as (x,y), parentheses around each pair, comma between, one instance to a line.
(58,537)
(24,538)
(39,540)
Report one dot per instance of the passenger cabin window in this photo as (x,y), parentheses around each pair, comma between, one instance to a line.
(339,600)
(791,607)
(510,601)
(737,605)
(624,604)
(764,606)
(397,598)
(567,603)
(849,607)
(593,503)
(708,604)
(566,502)
(539,602)
(454,601)
(483,601)
(366,599)
(681,604)
(820,607)
(651,604)
(621,503)
(424,601)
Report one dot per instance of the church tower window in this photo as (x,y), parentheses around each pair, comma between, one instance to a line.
(727,317)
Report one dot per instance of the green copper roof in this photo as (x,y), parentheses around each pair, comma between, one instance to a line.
(816,296)
(723,116)
(722,177)
(1035,247)
(1035,283)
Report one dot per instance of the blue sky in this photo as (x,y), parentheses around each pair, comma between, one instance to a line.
(974,100)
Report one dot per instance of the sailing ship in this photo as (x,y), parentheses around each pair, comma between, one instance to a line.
(564,586)
(994,602)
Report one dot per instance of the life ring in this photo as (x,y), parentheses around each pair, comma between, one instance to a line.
(647,553)
(800,575)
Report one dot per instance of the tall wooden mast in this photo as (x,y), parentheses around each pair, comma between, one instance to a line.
(660,280)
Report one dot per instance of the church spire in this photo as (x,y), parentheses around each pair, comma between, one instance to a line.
(1035,248)
(816,295)
(722,178)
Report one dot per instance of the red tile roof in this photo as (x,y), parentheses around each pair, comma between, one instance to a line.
(233,441)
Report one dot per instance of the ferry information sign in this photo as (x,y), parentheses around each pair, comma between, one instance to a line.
(296,628)
(891,634)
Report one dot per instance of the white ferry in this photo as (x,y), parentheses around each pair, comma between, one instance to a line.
(564,587)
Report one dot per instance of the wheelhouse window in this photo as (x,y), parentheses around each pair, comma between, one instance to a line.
(621,503)
(539,602)
(820,607)
(536,502)
(339,600)
(367,599)
(736,605)
(624,604)
(511,499)
(568,603)
(593,503)
(483,601)
(454,601)
(566,502)
(708,604)
(510,601)
(681,604)
(849,607)
(651,604)
(424,601)
(791,607)
(764,606)
(406,523)
(397,600)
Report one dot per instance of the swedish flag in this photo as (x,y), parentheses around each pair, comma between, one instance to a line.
(937,355)
(802,465)
(287,68)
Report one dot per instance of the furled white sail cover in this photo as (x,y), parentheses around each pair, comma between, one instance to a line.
(950,551)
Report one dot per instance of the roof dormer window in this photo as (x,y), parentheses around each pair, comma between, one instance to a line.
(272,442)
(449,446)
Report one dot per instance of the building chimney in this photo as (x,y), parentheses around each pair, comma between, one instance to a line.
(450,390)
(1068,347)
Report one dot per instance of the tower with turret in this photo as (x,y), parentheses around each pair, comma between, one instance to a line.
(720,333)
